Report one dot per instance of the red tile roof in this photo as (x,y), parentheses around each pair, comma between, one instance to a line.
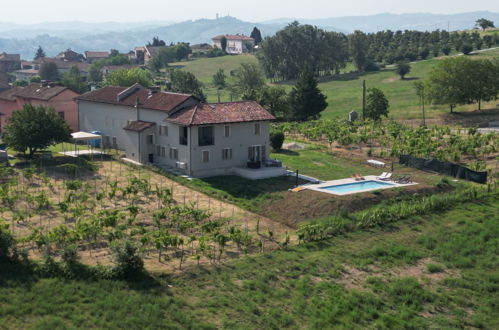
(163,101)
(39,92)
(83,67)
(91,54)
(218,113)
(8,95)
(138,125)
(10,57)
(232,37)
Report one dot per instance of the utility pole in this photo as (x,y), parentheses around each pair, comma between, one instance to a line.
(363,100)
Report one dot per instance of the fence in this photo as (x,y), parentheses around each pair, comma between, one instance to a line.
(454,170)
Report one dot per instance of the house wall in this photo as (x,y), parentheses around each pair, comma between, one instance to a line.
(7,108)
(61,103)
(241,137)
(64,102)
(110,120)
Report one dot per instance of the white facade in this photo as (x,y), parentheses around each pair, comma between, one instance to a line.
(161,143)
(236,44)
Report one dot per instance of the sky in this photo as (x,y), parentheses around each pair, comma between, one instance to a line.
(35,11)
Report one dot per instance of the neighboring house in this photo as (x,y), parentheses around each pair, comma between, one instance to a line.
(63,66)
(3,87)
(177,130)
(25,74)
(236,43)
(70,56)
(47,94)
(201,48)
(10,62)
(91,56)
(4,78)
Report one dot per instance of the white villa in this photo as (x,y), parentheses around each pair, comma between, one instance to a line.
(178,131)
(236,43)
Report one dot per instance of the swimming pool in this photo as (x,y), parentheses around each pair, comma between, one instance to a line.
(349,188)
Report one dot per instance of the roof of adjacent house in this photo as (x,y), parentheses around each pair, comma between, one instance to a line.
(10,57)
(163,101)
(8,95)
(233,37)
(138,125)
(83,67)
(38,91)
(218,113)
(97,54)
(201,46)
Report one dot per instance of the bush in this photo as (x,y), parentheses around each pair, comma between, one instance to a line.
(7,244)
(127,259)
(276,140)
(466,49)
(371,66)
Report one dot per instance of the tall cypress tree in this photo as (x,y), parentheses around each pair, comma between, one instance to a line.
(306,99)
(39,53)
(257,35)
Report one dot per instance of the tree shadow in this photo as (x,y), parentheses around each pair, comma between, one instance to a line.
(410,78)
(288,152)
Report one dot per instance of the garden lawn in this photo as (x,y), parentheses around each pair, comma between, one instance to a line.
(435,271)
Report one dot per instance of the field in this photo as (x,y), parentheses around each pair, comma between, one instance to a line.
(434,271)
(344,92)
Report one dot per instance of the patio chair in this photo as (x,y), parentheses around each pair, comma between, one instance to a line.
(382,176)
(387,177)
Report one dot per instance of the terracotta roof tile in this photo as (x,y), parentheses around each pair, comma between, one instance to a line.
(8,95)
(10,57)
(163,101)
(93,54)
(232,37)
(138,125)
(40,92)
(218,113)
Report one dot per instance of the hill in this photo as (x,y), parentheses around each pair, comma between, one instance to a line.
(386,21)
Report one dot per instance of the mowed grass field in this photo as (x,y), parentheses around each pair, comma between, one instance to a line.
(434,271)
(344,92)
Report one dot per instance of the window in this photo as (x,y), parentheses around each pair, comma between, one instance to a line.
(206,136)
(158,150)
(257,129)
(163,152)
(115,143)
(206,156)
(163,130)
(107,141)
(183,135)
(150,139)
(226,153)
(61,114)
(174,153)
(226,130)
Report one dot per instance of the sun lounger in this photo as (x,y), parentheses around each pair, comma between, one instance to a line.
(387,177)
(382,176)
(404,179)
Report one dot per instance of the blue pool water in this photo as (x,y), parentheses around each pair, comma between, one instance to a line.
(357,186)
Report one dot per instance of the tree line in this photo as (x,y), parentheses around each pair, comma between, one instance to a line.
(284,55)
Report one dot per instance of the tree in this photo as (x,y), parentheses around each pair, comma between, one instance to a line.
(420,92)
(48,71)
(306,99)
(34,128)
(484,23)
(39,53)
(156,42)
(94,71)
(358,49)
(276,140)
(186,82)
(223,44)
(219,79)
(461,80)
(74,80)
(466,49)
(126,78)
(248,81)
(275,100)
(257,35)
(402,68)
(376,104)
(446,50)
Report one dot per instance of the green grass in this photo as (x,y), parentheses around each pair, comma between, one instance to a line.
(344,92)
(307,286)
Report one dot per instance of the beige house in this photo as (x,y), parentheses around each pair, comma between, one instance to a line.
(177,131)
(236,43)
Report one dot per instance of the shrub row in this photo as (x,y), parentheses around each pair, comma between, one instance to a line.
(378,216)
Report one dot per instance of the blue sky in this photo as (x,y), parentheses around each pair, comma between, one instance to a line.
(251,10)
